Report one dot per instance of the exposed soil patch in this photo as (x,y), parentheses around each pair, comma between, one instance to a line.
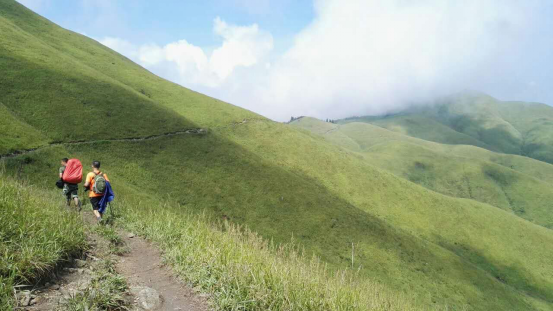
(142,266)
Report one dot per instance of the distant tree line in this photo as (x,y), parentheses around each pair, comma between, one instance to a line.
(292,119)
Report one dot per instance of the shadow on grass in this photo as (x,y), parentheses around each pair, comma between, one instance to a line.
(211,173)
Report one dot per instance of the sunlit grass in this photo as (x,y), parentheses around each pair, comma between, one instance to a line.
(513,183)
(36,234)
(242,271)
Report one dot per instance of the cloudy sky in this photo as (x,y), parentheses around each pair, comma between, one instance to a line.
(327,58)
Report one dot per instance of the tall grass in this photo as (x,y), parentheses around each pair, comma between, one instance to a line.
(242,271)
(36,234)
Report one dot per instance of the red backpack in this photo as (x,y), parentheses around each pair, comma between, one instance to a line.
(73,173)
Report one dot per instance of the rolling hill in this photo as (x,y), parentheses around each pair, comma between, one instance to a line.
(472,118)
(73,97)
(513,183)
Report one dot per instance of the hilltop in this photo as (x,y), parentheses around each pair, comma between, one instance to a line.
(473,118)
(284,184)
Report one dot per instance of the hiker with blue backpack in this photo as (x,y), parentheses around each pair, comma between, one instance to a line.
(99,190)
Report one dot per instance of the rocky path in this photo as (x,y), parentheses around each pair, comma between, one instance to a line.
(153,283)
(150,285)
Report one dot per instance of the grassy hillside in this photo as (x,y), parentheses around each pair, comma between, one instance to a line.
(254,194)
(282,183)
(513,183)
(36,233)
(17,135)
(82,90)
(477,119)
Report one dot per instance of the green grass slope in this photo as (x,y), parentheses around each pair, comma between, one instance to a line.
(17,135)
(36,234)
(517,184)
(80,86)
(423,127)
(472,118)
(283,183)
(280,204)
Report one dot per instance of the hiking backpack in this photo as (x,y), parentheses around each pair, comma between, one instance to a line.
(99,184)
(73,173)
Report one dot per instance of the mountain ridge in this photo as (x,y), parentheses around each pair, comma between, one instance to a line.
(522,128)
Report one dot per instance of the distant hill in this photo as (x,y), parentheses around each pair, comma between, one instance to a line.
(472,118)
(71,96)
(514,183)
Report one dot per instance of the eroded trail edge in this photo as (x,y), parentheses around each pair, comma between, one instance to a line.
(149,278)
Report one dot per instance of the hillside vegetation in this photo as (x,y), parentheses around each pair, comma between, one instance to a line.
(280,182)
(36,234)
(17,135)
(513,183)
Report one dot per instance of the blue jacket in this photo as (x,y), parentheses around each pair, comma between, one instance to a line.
(108,197)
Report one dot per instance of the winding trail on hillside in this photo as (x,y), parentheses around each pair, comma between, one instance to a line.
(191,131)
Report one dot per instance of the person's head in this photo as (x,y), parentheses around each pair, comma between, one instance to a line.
(96,166)
(64,161)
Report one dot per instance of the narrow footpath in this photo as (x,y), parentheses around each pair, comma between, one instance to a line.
(121,271)
(144,271)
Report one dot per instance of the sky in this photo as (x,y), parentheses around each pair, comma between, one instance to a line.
(327,58)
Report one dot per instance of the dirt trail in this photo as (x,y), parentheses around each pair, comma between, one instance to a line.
(142,267)
(151,284)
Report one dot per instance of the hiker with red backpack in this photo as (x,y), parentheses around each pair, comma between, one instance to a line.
(96,184)
(71,174)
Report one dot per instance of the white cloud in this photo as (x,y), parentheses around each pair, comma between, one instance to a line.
(369,57)
(242,46)
(360,56)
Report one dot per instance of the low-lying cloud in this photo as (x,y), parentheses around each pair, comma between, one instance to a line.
(364,57)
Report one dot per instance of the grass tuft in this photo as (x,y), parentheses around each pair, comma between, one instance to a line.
(106,291)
